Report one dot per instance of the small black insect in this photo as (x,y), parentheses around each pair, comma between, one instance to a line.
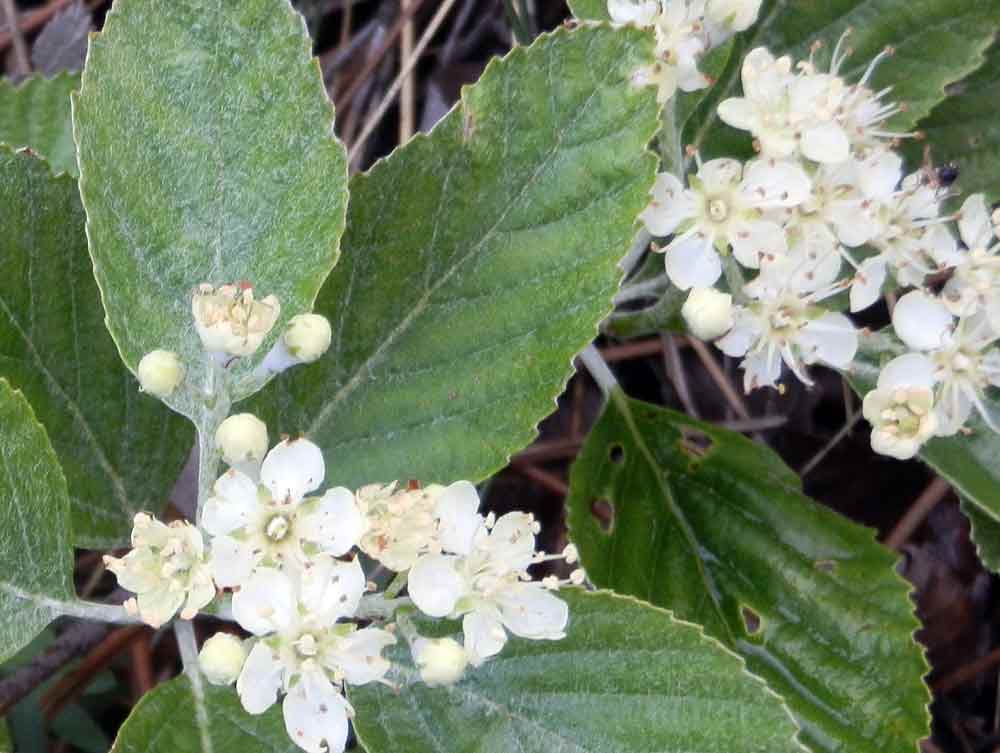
(947,174)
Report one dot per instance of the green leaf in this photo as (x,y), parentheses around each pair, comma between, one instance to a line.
(206,155)
(121,450)
(936,42)
(590,10)
(36,565)
(714,527)
(181,716)
(478,261)
(965,128)
(985,534)
(628,678)
(36,114)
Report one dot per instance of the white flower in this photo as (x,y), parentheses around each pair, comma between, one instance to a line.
(228,319)
(302,650)
(401,523)
(274,522)
(733,15)
(308,337)
(160,372)
(964,360)
(975,282)
(708,313)
(221,658)
(483,577)
(166,569)
(722,208)
(784,326)
(243,439)
(441,661)
(901,407)
(629,12)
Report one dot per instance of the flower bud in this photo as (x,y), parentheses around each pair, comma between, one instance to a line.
(308,337)
(229,320)
(441,661)
(708,313)
(160,373)
(221,658)
(242,438)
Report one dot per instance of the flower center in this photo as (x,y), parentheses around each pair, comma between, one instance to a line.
(277,528)
(717,210)
(306,645)
(906,415)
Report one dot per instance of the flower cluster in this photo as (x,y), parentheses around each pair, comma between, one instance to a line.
(825,208)
(685,30)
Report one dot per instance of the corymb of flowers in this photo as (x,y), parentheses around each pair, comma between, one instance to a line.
(289,551)
(823,219)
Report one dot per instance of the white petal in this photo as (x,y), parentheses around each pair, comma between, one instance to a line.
(745,332)
(739,112)
(693,263)
(831,339)
(259,680)
(316,715)
(718,175)
(953,410)
(826,142)
(458,512)
(893,445)
(266,603)
(529,610)
(292,469)
(333,589)
(484,636)
(757,240)
(879,175)
(770,184)
(334,521)
(941,246)
(974,222)
(232,561)
(669,206)
(233,503)
(157,607)
(907,370)
(359,655)
(435,585)
(512,540)
(868,281)
(921,321)
(761,368)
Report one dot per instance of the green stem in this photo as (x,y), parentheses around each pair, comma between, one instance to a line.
(215,410)
(398,584)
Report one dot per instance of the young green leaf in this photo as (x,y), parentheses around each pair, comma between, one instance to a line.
(708,524)
(178,716)
(36,566)
(478,260)
(206,155)
(121,450)
(965,128)
(36,114)
(627,678)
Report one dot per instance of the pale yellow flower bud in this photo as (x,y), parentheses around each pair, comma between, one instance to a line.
(221,658)
(441,661)
(308,337)
(160,373)
(242,438)
(708,313)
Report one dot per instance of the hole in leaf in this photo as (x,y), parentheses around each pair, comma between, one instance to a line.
(695,442)
(826,566)
(751,620)
(604,512)
(616,453)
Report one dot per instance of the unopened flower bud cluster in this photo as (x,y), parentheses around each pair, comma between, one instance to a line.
(825,208)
